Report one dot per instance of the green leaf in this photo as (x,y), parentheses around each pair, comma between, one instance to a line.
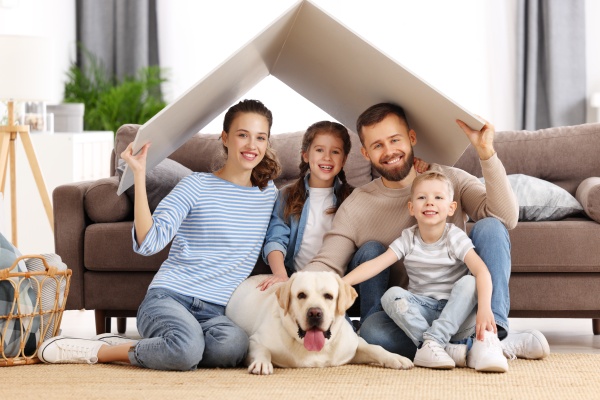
(110,103)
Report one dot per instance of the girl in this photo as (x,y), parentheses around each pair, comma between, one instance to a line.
(217,222)
(304,210)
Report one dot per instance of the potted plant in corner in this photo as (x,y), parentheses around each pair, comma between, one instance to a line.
(110,102)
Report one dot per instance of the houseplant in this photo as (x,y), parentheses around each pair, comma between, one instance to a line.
(111,102)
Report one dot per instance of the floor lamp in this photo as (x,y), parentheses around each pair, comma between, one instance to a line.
(25,62)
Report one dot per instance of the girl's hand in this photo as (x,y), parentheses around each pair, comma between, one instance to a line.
(420,165)
(136,162)
(484,322)
(273,279)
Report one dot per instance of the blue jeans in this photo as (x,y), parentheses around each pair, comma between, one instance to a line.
(423,318)
(183,333)
(492,243)
(371,290)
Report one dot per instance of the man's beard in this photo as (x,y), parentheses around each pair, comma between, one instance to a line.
(396,175)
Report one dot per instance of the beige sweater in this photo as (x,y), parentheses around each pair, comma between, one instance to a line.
(375,212)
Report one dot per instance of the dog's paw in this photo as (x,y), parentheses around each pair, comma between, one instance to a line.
(396,361)
(261,368)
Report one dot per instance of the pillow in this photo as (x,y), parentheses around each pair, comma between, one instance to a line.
(49,290)
(102,204)
(10,332)
(160,180)
(588,194)
(540,200)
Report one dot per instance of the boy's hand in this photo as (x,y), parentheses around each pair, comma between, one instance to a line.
(273,279)
(484,322)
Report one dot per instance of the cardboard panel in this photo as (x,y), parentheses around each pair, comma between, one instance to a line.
(329,65)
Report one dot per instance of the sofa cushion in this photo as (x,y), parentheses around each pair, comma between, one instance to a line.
(588,194)
(109,247)
(540,200)
(102,204)
(160,180)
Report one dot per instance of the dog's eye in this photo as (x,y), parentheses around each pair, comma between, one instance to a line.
(301,295)
(328,296)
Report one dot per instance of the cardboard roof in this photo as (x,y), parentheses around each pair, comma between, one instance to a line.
(329,65)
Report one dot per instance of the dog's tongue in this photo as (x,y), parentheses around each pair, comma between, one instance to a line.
(314,340)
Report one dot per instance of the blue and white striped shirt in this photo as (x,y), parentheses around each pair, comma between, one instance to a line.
(218,229)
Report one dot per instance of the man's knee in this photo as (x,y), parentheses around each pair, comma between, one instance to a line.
(369,251)
(488,229)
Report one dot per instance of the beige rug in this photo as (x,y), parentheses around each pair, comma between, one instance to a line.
(560,376)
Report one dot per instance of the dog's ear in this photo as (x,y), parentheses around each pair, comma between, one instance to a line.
(346,296)
(284,294)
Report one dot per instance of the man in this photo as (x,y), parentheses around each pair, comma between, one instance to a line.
(376,213)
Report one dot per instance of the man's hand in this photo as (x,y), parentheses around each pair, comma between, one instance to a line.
(482,140)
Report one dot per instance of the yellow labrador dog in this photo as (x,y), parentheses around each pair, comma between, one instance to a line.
(301,323)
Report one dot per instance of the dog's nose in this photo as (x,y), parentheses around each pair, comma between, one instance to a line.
(314,315)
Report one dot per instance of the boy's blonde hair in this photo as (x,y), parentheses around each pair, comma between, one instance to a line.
(433,175)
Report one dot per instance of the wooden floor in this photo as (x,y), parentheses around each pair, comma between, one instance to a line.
(564,335)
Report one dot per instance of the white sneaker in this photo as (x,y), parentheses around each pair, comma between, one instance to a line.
(458,352)
(486,355)
(529,344)
(432,355)
(61,349)
(114,340)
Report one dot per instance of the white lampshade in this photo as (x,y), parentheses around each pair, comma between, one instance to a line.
(26,64)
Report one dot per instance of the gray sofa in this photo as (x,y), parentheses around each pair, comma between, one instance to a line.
(556,264)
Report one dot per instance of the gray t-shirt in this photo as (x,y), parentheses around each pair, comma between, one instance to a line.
(433,268)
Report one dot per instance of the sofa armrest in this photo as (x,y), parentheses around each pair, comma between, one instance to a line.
(588,194)
(70,222)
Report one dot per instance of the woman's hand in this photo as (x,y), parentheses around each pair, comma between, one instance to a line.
(273,279)
(137,162)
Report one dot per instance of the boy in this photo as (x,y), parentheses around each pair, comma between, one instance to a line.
(441,300)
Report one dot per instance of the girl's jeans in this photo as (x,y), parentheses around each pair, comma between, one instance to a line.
(425,318)
(183,333)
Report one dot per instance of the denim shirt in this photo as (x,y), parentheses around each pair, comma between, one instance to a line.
(287,234)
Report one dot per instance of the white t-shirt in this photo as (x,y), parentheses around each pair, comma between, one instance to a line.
(317,223)
(433,268)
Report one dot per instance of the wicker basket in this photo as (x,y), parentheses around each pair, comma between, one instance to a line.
(29,326)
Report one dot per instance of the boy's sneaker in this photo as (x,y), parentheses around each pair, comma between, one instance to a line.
(113,340)
(486,355)
(432,355)
(458,352)
(529,344)
(61,349)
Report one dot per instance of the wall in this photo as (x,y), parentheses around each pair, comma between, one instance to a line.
(50,18)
